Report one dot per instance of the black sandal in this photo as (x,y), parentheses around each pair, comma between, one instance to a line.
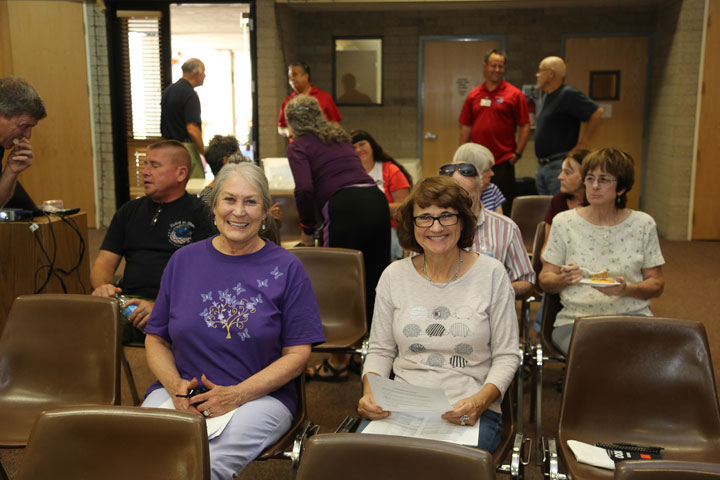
(335,374)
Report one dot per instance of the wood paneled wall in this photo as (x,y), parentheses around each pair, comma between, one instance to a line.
(44,42)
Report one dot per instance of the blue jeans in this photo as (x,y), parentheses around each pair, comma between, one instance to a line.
(490,431)
(546,177)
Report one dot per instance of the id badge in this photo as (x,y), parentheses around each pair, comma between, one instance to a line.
(485,102)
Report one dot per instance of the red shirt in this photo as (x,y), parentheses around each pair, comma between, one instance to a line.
(494,117)
(327,105)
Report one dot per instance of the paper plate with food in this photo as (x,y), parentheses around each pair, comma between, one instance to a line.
(599,279)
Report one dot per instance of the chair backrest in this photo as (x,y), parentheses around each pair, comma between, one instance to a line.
(338,280)
(551,307)
(538,241)
(290,226)
(117,443)
(353,456)
(298,422)
(57,350)
(644,380)
(666,470)
(527,211)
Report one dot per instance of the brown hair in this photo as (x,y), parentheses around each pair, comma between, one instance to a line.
(614,162)
(182,159)
(442,192)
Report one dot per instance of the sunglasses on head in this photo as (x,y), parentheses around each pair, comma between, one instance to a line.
(465,169)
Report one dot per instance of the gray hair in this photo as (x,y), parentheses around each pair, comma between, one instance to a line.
(477,155)
(305,117)
(238,158)
(18,97)
(250,172)
(192,65)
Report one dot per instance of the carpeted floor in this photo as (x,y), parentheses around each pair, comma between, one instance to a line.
(692,275)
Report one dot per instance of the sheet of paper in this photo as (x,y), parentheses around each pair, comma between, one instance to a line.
(395,396)
(424,425)
(215,425)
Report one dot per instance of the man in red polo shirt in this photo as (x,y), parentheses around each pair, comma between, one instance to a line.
(491,116)
(299,79)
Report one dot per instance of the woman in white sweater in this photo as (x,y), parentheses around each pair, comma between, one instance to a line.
(446,317)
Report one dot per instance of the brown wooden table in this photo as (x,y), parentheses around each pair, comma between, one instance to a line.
(23,265)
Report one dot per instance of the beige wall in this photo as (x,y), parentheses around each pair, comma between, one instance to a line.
(673,105)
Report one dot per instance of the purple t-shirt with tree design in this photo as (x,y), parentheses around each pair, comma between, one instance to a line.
(230,316)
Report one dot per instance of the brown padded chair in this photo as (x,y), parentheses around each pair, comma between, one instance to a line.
(56,350)
(338,280)
(117,443)
(290,226)
(640,380)
(353,456)
(527,211)
(300,429)
(666,470)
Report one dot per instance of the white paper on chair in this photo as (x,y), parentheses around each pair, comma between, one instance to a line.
(395,396)
(591,455)
(424,425)
(215,425)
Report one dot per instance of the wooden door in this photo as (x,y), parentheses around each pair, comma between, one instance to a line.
(624,124)
(44,43)
(451,70)
(706,216)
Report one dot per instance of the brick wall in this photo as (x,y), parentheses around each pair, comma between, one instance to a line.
(674,81)
(272,76)
(99,83)
(531,34)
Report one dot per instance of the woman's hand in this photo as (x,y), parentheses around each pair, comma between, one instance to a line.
(218,400)
(182,388)
(366,406)
(368,409)
(469,406)
(571,273)
(615,290)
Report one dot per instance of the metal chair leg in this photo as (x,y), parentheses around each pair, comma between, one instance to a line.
(130,379)
(538,402)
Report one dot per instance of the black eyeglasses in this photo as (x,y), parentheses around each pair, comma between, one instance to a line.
(465,169)
(427,221)
(156,217)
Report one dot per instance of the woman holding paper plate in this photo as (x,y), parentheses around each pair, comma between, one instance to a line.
(235,315)
(602,239)
(444,318)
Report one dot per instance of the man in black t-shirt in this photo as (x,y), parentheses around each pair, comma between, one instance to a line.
(21,108)
(148,230)
(180,114)
(557,131)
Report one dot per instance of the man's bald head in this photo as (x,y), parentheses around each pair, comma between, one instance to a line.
(555,64)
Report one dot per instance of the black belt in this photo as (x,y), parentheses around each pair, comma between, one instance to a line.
(551,158)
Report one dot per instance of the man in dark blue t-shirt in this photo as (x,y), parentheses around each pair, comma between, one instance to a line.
(148,230)
(180,114)
(557,132)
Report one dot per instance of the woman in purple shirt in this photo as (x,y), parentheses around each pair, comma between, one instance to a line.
(236,315)
(330,180)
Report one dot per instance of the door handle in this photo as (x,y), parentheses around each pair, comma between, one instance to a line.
(430,136)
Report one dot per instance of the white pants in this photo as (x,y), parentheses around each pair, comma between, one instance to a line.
(254,426)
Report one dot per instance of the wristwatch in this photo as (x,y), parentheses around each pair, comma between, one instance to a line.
(518,155)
